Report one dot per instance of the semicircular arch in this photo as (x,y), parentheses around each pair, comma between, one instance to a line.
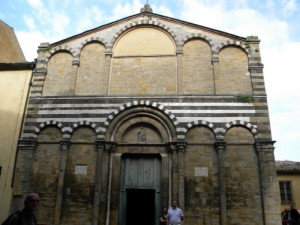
(252,128)
(59,49)
(140,109)
(145,23)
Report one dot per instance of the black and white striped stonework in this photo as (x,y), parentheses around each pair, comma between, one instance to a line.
(217,113)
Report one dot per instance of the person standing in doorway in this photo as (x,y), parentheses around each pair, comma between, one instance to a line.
(26,215)
(175,215)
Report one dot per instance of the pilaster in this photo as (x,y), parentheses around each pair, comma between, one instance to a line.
(26,150)
(177,171)
(269,183)
(216,70)
(179,71)
(220,148)
(101,147)
(64,147)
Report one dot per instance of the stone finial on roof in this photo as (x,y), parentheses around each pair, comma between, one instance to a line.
(146,8)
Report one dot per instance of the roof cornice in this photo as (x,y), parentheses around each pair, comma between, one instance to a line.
(17,66)
(149,15)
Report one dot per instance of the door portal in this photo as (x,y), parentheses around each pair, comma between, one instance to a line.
(140,207)
(140,188)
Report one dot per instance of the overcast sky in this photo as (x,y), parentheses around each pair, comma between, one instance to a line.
(275,22)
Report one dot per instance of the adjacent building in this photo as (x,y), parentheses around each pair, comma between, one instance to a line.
(288,173)
(15,77)
(123,118)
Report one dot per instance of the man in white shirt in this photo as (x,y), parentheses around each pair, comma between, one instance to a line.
(175,215)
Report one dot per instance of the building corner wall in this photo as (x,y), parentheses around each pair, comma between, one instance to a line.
(14,93)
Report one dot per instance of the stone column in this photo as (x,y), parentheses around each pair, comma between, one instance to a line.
(108,67)
(176,150)
(25,162)
(110,146)
(100,149)
(216,72)
(179,71)
(181,146)
(75,66)
(220,147)
(269,183)
(61,180)
(172,171)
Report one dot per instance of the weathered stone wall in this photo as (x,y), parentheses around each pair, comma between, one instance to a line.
(60,79)
(198,70)
(233,76)
(91,76)
(135,76)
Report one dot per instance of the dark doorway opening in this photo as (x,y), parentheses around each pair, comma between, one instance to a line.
(140,207)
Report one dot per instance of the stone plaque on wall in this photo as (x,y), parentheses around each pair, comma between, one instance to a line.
(201,171)
(81,169)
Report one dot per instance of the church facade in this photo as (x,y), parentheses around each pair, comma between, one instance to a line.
(128,116)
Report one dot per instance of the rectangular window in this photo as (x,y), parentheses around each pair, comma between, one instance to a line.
(285,192)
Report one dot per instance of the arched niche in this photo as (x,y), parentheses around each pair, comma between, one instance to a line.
(143,63)
(141,130)
(198,71)
(80,175)
(144,41)
(50,134)
(233,77)
(83,134)
(200,134)
(238,135)
(91,78)
(46,169)
(241,172)
(130,125)
(59,79)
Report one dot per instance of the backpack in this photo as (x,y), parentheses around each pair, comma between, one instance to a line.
(19,213)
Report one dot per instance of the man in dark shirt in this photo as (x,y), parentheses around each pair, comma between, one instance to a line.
(26,215)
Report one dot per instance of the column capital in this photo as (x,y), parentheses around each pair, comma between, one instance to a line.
(215,59)
(106,145)
(64,144)
(220,145)
(76,62)
(179,50)
(264,145)
(176,146)
(27,144)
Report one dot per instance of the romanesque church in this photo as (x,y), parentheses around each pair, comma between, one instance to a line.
(126,117)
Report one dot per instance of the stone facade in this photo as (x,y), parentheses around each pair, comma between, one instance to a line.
(124,118)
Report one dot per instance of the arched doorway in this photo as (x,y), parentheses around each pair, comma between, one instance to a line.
(140,180)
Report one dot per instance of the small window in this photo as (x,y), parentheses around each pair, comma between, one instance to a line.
(285,192)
